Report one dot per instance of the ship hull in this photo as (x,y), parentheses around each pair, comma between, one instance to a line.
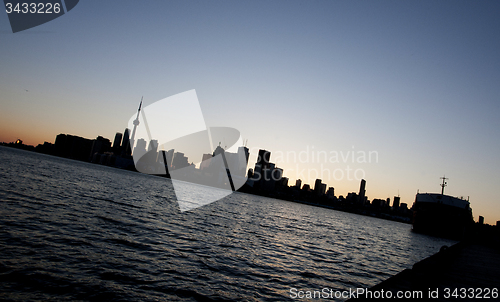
(441,215)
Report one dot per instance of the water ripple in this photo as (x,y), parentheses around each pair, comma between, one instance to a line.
(75,231)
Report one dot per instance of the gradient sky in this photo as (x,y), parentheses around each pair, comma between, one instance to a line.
(418,82)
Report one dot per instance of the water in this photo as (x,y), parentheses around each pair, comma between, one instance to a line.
(77,231)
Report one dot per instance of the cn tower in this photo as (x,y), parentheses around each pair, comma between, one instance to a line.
(136,123)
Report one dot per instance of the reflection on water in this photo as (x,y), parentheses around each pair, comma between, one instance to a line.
(77,231)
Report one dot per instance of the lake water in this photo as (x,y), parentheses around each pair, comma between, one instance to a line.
(77,231)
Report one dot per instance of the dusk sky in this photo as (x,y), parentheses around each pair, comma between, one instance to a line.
(416,83)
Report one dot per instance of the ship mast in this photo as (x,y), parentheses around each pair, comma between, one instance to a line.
(444,184)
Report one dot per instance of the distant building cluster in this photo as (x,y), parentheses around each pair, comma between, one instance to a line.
(264,179)
(98,150)
(266,176)
(220,169)
(119,154)
(268,180)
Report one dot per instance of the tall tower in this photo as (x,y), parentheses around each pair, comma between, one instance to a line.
(362,191)
(126,149)
(117,141)
(317,186)
(263,159)
(136,123)
(395,203)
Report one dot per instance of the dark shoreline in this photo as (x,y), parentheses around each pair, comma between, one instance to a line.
(291,194)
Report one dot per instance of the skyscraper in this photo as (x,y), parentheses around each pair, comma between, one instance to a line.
(395,203)
(330,193)
(205,161)
(153,145)
(362,191)
(179,161)
(298,183)
(263,160)
(319,187)
(117,141)
(244,150)
(165,158)
(100,145)
(126,148)
(322,189)
(140,148)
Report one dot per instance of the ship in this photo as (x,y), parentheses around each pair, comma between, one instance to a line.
(441,215)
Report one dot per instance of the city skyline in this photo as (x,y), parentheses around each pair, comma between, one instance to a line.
(414,82)
(264,178)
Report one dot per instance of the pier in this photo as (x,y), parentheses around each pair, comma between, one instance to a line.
(468,270)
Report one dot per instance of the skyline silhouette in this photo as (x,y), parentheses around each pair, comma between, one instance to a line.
(265,179)
(414,81)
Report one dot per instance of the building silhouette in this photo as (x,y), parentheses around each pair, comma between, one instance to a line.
(244,151)
(100,145)
(263,159)
(140,148)
(284,182)
(72,146)
(323,189)
(153,145)
(126,148)
(362,192)
(205,161)
(395,203)
(298,183)
(330,193)
(317,186)
(165,158)
(117,141)
(179,161)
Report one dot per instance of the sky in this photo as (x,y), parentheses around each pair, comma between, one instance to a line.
(414,84)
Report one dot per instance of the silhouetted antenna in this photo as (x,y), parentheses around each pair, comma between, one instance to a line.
(136,123)
(444,184)
(146,125)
